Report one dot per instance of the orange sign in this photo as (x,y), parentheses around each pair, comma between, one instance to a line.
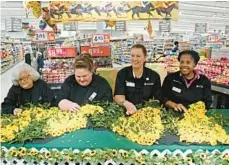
(96,51)
(101,38)
(44,36)
(61,52)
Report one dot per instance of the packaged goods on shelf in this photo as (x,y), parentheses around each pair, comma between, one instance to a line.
(11,53)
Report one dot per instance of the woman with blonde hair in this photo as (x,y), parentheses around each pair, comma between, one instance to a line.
(84,86)
(27,88)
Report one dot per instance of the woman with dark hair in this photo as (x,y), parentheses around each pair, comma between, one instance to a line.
(136,84)
(83,86)
(186,86)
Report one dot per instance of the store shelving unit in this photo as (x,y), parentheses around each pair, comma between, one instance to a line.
(11,53)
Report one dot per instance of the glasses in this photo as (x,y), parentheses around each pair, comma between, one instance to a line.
(21,80)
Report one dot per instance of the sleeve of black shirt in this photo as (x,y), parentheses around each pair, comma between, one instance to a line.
(166,89)
(107,96)
(207,93)
(48,96)
(120,83)
(10,101)
(157,88)
(64,92)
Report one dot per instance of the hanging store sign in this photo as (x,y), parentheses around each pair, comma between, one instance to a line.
(44,36)
(120,26)
(71,11)
(70,26)
(201,28)
(61,52)
(213,39)
(227,29)
(101,38)
(164,26)
(96,51)
(13,24)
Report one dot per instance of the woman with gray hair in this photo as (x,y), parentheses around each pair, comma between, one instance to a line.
(27,88)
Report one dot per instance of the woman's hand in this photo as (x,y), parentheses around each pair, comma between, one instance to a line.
(179,107)
(175,106)
(130,107)
(68,105)
(17,111)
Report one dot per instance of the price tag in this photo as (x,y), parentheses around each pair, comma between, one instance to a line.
(44,36)
(99,38)
(41,36)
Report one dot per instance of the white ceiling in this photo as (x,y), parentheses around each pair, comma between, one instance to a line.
(216,14)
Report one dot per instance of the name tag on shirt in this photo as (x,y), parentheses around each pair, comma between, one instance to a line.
(93,95)
(149,84)
(199,86)
(130,84)
(176,89)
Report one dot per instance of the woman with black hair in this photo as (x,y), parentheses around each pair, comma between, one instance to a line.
(187,86)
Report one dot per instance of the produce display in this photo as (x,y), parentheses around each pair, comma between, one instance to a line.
(216,70)
(196,127)
(57,70)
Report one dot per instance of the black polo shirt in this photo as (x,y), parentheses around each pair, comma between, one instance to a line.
(138,90)
(40,93)
(175,89)
(97,90)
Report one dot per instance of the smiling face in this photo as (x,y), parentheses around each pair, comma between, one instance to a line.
(187,64)
(25,80)
(137,58)
(83,76)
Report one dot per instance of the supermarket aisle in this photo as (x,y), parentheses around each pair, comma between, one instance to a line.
(6,81)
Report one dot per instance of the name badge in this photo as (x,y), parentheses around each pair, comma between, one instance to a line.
(93,95)
(199,86)
(130,84)
(176,89)
(149,84)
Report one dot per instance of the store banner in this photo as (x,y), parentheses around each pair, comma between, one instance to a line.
(44,36)
(96,51)
(13,24)
(61,52)
(120,26)
(227,29)
(201,28)
(101,38)
(71,11)
(165,26)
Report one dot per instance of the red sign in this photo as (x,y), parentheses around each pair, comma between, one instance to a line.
(96,51)
(213,39)
(44,36)
(101,38)
(61,52)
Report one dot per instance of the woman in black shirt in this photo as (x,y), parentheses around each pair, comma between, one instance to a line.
(82,87)
(186,86)
(137,84)
(27,88)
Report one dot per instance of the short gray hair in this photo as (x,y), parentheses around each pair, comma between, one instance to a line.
(24,68)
